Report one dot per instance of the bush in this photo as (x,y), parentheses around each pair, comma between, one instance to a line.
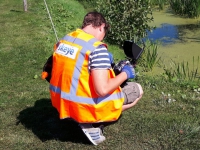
(129,19)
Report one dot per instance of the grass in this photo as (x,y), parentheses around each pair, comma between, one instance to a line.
(27,118)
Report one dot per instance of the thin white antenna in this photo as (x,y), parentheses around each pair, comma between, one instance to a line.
(51,20)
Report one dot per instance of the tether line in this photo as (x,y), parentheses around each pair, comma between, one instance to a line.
(51,20)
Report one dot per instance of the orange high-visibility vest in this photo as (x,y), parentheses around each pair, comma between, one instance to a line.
(71,87)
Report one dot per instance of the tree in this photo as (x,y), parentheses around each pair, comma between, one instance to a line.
(129,19)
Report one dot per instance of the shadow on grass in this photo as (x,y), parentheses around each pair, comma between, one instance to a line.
(44,122)
(12,10)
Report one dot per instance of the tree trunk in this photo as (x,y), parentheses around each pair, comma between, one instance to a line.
(25,5)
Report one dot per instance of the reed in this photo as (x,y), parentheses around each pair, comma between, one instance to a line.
(150,56)
(188,8)
(159,3)
(182,71)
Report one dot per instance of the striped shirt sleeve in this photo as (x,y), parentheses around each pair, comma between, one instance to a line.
(99,58)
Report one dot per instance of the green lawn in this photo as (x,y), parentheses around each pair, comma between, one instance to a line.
(167,117)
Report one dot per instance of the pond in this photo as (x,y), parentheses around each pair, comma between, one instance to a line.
(171,34)
(179,37)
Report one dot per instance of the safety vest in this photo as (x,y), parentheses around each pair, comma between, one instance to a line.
(71,87)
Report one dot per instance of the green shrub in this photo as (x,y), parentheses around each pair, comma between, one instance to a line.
(129,19)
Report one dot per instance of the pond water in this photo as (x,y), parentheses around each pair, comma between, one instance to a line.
(179,37)
(171,34)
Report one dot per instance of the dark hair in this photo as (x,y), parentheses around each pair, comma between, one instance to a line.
(95,19)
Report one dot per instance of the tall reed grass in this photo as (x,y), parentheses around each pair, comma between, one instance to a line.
(182,72)
(150,56)
(188,8)
(160,3)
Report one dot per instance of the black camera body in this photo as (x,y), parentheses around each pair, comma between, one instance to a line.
(133,52)
(117,68)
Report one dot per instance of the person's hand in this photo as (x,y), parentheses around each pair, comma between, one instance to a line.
(111,58)
(129,70)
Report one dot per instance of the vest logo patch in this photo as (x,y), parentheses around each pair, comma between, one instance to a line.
(67,50)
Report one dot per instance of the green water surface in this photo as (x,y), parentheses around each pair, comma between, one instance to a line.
(186,42)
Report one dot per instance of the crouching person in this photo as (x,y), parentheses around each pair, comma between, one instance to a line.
(83,85)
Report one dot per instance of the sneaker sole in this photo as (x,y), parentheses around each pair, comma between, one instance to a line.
(88,136)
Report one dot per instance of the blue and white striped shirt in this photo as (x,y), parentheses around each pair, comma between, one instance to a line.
(99,58)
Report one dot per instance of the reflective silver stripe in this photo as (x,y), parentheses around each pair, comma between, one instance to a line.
(81,42)
(68,38)
(55,89)
(85,100)
(80,60)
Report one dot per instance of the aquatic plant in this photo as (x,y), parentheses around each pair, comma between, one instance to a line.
(149,57)
(188,8)
(181,71)
(159,3)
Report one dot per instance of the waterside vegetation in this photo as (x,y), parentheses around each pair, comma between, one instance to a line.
(186,8)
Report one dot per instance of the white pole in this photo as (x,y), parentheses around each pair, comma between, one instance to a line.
(25,5)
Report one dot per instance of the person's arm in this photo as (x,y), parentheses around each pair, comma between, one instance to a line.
(102,84)
(99,64)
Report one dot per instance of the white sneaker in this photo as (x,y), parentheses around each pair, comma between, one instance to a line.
(95,135)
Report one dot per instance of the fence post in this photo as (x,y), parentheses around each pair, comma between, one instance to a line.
(25,5)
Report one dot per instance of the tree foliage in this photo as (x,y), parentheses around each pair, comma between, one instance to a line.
(129,19)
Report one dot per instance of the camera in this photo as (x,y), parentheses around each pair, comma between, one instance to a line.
(117,68)
(133,53)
